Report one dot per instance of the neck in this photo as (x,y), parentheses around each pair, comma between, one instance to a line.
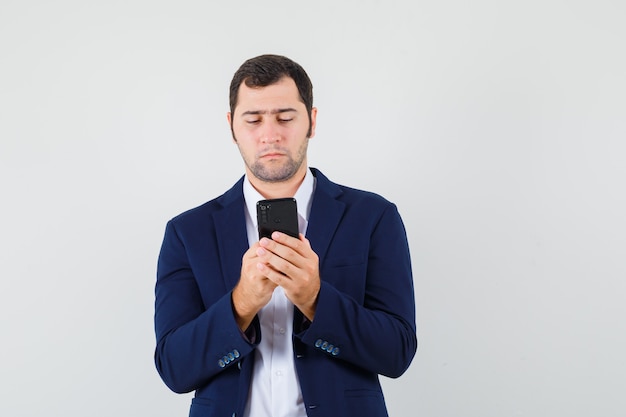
(282,189)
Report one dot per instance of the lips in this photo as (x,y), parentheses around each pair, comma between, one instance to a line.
(272,154)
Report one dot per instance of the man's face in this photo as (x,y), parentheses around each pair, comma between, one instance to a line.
(270,126)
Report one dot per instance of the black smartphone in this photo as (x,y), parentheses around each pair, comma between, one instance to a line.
(279,214)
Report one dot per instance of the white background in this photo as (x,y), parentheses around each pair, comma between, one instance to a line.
(498,128)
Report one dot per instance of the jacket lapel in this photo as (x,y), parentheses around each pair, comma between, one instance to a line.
(326,212)
(231,234)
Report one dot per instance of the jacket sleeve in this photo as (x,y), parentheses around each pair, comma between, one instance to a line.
(375,332)
(195,342)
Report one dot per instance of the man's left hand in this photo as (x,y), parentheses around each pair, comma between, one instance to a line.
(292,264)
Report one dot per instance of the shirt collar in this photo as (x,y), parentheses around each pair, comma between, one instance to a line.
(303,196)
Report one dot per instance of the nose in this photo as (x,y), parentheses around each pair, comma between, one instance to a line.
(270,133)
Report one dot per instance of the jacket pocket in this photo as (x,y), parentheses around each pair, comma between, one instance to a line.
(201,407)
(345,261)
(347,274)
(365,403)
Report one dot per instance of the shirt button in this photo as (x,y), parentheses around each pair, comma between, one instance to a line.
(279,373)
(281,330)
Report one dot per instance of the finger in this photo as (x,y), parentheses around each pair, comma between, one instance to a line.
(300,245)
(272,275)
(272,260)
(282,249)
(276,263)
(251,252)
(303,257)
(290,241)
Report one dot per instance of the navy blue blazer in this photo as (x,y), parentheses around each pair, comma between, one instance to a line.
(364,323)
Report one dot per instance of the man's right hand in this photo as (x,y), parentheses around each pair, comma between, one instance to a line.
(253,291)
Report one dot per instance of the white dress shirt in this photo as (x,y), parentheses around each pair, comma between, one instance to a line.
(275,389)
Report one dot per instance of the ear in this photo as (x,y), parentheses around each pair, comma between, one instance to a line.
(230,125)
(313,121)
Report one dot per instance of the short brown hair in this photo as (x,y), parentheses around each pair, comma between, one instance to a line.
(265,70)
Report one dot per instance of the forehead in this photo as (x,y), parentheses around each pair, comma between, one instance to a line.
(281,94)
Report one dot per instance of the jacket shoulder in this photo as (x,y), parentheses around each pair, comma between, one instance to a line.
(204,211)
(356,195)
(350,195)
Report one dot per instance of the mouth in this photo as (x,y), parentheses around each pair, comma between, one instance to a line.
(270,155)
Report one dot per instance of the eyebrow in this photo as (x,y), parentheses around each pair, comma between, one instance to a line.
(275,111)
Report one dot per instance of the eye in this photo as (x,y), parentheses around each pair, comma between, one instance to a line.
(252,122)
(281,120)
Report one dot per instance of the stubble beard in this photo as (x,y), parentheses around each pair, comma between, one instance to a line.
(275,171)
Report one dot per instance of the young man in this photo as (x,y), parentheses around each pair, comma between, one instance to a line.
(283,326)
